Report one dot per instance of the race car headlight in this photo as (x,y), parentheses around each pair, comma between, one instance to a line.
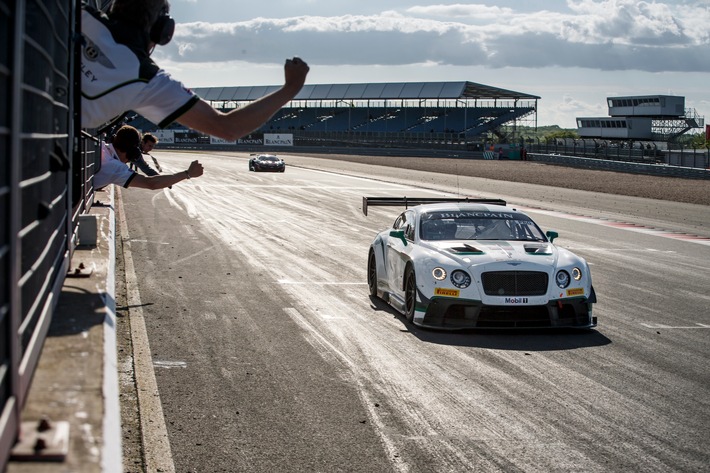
(460,279)
(576,274)
(439,274)
(562,279)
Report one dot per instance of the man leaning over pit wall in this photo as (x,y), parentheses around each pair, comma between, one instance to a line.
(119,75)
(148,142)
(124,149)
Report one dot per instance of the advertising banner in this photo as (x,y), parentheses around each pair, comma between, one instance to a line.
(164,136)
(278,140)
(253,139)
(707,132)
(186,138)
(219,141)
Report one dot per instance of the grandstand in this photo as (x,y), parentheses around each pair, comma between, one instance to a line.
(465,110)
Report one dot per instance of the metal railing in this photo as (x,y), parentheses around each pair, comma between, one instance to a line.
(634,152)
(45,183)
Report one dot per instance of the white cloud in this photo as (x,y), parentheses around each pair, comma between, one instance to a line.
(608,35)
(475,12)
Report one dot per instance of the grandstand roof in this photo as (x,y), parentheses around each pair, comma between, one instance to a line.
(371,91)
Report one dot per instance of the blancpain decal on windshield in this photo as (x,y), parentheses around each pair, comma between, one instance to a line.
(462,215)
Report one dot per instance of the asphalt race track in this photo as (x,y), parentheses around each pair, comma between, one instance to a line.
(270,355)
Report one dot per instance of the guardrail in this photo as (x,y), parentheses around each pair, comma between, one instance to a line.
(630,152)
(659,169)
(622,166)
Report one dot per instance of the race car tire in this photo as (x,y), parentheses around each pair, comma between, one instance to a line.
(372,273)
(410,293)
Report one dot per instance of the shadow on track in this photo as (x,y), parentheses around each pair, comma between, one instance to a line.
(533,340)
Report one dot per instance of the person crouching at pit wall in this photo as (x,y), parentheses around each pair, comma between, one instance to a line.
(125,148)
(148,142)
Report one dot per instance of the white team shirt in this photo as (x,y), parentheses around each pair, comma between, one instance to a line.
(113,170)
(113,81)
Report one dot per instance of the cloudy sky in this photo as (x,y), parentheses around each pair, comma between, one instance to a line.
(572,53)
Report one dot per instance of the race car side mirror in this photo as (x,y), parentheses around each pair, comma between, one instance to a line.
(552,235)
(399,234)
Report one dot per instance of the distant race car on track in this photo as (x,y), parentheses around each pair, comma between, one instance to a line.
(266,162)
(476,263)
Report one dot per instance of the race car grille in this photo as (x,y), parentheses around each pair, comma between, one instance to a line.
(515,283)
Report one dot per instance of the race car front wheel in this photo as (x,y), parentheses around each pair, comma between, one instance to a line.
(372,273)
(410,294)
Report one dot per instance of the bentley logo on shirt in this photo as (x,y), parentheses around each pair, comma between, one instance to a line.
(94,54)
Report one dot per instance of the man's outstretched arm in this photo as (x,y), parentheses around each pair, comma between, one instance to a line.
(240,122)
(166,180)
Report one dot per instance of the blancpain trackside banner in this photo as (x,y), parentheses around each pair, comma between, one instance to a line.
(219,141)
(164,136)
(278,140)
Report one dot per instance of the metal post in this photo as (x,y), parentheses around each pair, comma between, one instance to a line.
(630,145)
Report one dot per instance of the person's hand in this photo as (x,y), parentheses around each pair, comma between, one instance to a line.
(295,71)
(195,169)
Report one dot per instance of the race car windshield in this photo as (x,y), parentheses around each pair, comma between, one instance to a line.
(269,158)
(479,226)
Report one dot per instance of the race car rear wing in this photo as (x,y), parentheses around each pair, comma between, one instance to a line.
(412,201)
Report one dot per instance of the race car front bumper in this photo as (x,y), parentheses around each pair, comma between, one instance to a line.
(456,314)
(259,168)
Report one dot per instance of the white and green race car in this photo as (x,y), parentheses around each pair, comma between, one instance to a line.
(476,263)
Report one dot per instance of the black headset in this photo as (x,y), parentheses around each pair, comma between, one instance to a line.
(134,153)
(162,30)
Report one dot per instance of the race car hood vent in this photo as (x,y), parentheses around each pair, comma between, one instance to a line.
(491,251)
(538,249)
(466,249)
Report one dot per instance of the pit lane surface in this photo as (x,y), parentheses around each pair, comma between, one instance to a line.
(270,355)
